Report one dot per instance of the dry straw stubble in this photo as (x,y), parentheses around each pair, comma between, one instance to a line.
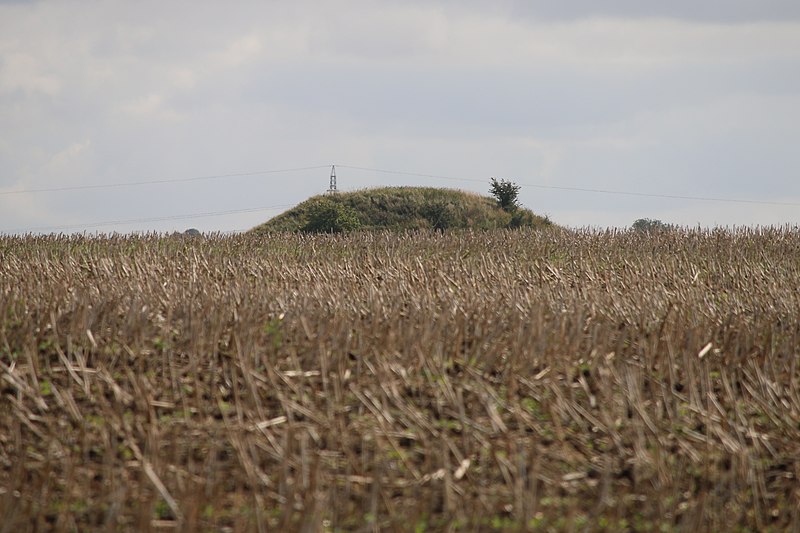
(552,380)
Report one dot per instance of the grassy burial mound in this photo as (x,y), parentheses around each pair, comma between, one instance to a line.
(461,381)
(400,208)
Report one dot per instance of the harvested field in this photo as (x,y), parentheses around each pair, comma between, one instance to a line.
(551,380)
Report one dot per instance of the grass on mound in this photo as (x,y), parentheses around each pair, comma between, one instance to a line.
(406,208)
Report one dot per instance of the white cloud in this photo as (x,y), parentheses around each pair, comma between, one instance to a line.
(69,155)
(241,51)
(672,100)
(21,212)
(20,71)
(152,107)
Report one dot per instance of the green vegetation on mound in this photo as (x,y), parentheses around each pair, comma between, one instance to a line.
(400,208)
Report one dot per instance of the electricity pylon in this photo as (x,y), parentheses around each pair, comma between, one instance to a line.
(332,187)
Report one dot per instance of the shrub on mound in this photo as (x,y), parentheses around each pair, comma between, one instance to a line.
(328,216)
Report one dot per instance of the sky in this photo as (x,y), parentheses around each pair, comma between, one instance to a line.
(160,116)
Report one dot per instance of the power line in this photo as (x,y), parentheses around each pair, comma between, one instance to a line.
(582,189)
(394,172)
(403,173)
(153,219)
(352,167)
(159,181)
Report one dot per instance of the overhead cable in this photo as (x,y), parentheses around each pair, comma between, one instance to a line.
(153,219)
(158,181)
(582,189)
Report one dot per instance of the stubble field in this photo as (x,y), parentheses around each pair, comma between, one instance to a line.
(553,381)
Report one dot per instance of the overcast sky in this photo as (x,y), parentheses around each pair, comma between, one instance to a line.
(680,98)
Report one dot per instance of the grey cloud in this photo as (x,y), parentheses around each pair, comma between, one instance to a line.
(545,101)
(722,11)
(714,124)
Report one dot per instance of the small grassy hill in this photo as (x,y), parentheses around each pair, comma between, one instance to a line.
(400,208)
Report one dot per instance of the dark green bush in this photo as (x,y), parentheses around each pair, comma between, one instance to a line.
(506,192)
(330,216)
